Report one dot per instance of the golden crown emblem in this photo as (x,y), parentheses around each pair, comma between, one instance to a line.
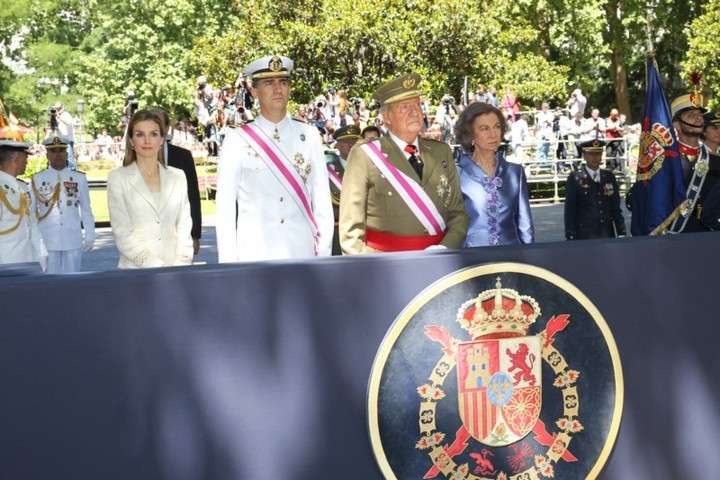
(697,100)
(662,134)
(275,64)
(500,310)
(408,83)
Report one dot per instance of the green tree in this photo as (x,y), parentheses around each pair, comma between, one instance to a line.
(702,55)
(145,48)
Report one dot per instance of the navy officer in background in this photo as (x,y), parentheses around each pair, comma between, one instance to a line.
(592,199)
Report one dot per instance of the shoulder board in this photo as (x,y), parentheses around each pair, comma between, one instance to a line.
(299,120)
(77,171)
(20,180)
(430,140)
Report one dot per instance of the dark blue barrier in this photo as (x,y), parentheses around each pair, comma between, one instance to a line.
(260,370)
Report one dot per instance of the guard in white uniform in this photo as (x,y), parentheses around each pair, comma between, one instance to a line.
(20,239)
(262,213)
(62,202)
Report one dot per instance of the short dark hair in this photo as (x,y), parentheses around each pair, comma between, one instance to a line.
(6,154)
(370,128)
(464,126)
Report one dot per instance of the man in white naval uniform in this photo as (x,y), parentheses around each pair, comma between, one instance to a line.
(62,201)
(260,213)
(20,239)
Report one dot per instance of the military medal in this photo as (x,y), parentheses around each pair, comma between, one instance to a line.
(302,166)
(443,190)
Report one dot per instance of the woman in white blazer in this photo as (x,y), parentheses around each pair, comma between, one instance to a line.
(148,201)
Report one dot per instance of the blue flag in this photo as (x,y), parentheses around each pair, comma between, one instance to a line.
(659,187)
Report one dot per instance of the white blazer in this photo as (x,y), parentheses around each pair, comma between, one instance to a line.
(146,234)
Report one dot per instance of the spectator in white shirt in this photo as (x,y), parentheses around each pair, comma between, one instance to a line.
(577,103)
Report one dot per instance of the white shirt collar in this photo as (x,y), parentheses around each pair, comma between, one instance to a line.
(402,143)
(269,127)
(594,174)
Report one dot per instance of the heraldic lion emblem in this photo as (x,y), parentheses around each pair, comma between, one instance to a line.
(474,381)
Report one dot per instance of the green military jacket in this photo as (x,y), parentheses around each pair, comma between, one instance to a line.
(368,200)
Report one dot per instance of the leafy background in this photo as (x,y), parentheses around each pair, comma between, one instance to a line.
(96,50)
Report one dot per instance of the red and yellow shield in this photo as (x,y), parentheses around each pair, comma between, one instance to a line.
(499,388)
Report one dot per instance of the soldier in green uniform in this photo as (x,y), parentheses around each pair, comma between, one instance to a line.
(401,192)
(345,138)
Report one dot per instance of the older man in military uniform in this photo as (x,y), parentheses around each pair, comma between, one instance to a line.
(62,209)
(401,192)
(273,197)
(20,239)
(592,199)
(345,139)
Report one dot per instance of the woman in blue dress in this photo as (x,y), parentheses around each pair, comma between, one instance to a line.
(495,191)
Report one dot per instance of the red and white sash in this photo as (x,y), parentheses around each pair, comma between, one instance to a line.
(285,174)
(334,177)
(412,194)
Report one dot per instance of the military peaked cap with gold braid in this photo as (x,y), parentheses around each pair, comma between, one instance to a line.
(271,66)
(398,89)
(711,118)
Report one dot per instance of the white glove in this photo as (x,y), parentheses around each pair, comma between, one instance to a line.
(436,247)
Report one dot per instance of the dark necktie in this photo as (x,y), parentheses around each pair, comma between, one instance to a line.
(415,162)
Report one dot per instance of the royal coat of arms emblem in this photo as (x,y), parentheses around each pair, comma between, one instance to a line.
(499,382)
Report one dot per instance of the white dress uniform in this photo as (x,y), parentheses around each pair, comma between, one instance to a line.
(20,239)
(62,202)
(270,224)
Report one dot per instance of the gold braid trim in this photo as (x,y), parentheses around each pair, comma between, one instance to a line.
(51,202)
(21,211)
(681,209)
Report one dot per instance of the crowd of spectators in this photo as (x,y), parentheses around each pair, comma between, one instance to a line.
(547,136)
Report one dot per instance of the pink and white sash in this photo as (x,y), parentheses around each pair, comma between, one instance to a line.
(412,194)
(334,177)
(285,174)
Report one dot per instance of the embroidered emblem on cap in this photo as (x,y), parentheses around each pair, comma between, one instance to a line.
(275,64)
(408,83)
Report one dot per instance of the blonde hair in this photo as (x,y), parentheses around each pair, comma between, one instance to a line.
(142,116)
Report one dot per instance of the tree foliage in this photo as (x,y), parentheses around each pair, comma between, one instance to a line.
(97,50)
(703,56)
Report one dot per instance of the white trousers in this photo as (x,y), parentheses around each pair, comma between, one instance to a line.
(64,261)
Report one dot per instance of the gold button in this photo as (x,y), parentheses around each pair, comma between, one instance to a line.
(389,194)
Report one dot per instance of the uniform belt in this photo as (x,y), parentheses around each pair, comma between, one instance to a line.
(389,242)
